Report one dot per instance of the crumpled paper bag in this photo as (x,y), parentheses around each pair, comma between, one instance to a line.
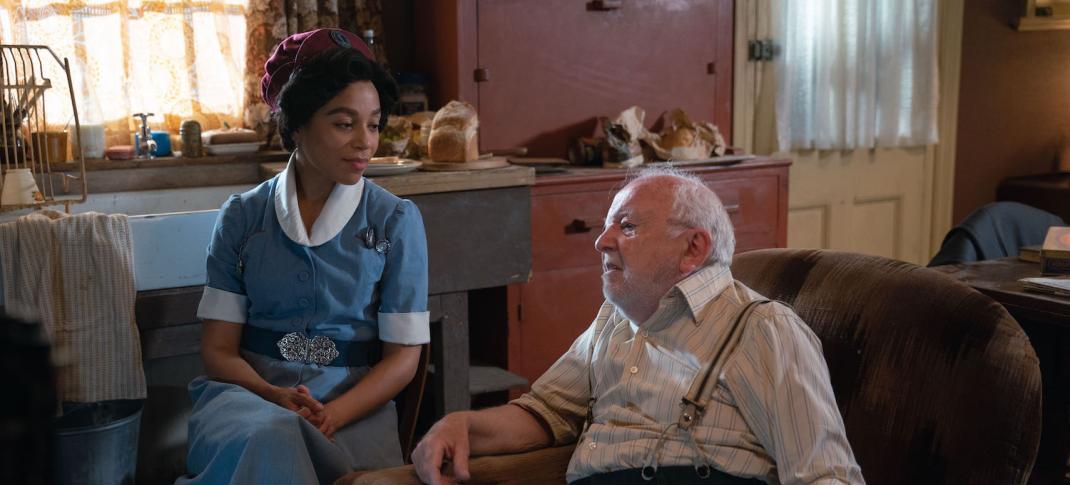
(629,143)
(394,139)
(683,139)
(622,148)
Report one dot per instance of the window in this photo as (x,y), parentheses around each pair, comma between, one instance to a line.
(179,59)
(856,73)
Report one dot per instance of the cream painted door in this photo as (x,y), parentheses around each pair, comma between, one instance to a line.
(888,202)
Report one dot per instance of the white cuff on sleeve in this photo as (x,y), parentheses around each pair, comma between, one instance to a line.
(405,328)
(222,305)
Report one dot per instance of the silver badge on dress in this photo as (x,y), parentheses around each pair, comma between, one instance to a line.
(380,246)
(368,236)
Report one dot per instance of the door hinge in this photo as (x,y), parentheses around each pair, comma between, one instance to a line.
(761,50)
(519,313)
(481,75)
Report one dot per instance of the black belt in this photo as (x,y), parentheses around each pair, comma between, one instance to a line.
(667,475)
(297,347)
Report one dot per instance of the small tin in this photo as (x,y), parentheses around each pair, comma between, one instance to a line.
(190,131)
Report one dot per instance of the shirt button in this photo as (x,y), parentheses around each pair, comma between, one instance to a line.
(303,276)
(303,302)
(633,369)
(592,445)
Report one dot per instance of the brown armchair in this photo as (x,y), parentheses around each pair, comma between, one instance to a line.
(935,381)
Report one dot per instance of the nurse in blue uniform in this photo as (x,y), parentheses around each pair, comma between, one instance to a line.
(316,299)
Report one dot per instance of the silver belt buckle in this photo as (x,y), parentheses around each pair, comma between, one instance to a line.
(318,350)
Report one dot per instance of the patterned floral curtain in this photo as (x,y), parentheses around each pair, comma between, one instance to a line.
(270,21)
(179,59)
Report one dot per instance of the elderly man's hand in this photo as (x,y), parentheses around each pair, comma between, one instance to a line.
(441,457)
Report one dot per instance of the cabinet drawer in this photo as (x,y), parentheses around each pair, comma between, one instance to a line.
(564,228)
(752,205)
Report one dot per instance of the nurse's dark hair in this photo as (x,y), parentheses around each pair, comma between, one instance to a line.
(320,79)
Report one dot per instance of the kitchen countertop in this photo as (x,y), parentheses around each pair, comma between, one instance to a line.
(418,182)
(163,242)
(111,176)
(96,164)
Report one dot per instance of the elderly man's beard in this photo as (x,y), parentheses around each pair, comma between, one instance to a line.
(631,294)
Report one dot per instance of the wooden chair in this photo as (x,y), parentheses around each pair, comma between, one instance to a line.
(936,382)
(409,401)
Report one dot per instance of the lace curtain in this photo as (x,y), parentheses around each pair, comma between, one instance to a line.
(856,73)
(179,59)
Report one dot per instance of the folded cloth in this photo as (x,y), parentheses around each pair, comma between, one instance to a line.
(75,274)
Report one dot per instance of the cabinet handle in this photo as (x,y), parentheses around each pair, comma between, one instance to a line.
(605,5)
(579,226)
(731,209)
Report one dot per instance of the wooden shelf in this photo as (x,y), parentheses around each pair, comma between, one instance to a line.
(1056,19)
(108,176)
(162,162)
(483,379)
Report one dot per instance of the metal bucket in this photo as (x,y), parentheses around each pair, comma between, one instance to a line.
(97,443)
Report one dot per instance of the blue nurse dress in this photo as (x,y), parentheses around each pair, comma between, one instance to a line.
(361,275)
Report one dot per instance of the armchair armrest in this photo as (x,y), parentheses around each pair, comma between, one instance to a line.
(545,466)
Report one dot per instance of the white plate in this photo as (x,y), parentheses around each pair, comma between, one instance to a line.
(400,166)
(232,148)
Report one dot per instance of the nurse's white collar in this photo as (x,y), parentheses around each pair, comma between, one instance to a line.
(339,208)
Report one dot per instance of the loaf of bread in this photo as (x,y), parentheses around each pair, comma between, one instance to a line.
(454,134)
(225,136)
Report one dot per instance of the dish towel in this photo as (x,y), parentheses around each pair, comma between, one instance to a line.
(75,274)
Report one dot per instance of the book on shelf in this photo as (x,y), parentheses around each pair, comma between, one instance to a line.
(1029,253)
(1055,252)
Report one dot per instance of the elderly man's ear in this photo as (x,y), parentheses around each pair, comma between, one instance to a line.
(699,245)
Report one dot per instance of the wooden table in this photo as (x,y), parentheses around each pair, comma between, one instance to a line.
(1046,319)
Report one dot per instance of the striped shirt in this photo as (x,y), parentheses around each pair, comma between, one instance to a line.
(772,416)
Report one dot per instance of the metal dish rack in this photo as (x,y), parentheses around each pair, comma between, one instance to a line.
(23,83)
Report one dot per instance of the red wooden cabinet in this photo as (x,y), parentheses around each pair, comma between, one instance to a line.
(567,212)
(539,72)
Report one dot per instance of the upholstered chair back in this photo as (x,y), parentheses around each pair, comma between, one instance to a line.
(936,382)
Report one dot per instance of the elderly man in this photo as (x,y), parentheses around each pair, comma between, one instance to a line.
(769,416)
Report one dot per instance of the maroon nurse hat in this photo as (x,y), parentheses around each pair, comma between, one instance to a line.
(296,50)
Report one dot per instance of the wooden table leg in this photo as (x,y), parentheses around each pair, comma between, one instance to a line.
(449,352)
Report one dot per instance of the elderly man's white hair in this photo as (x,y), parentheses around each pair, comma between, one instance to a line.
(696,205)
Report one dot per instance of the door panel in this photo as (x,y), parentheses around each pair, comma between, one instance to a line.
(866,201)
(875,226)
(551,320)
(558,64)
(812,225)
